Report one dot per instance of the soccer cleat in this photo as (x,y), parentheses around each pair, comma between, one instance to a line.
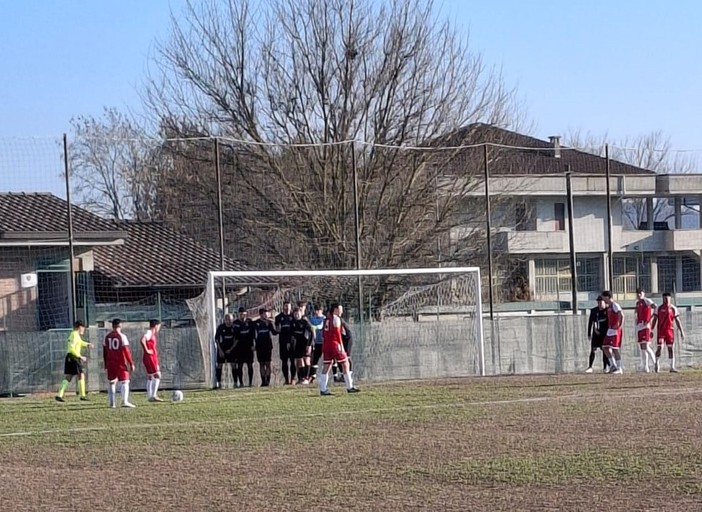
(589,370)
(326,393)
(112,406)
(128,405)
(155,399)
(353,390)
(673,370)
(59,398)
(84,399)
(618,371)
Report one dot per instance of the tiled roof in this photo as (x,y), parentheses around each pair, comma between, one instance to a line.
(529,155)
(156,256)
(37,213)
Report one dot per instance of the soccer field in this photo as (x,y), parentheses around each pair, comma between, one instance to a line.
(585,442)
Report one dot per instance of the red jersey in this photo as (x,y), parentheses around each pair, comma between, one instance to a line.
(332,331)
(644,312)
(613,319)
(151,343)
(666,321)
(116,353)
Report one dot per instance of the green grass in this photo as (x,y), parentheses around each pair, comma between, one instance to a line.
(526,443)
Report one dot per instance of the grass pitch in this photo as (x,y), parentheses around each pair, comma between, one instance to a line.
(586,442)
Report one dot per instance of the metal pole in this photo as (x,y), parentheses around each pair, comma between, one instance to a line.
(69,212)
(488,227)
(610,270)
(357,226)
(571,241)
(220,218)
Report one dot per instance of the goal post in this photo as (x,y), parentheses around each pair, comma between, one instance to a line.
(415,323)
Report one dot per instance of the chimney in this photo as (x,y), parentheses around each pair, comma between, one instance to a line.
(556,143)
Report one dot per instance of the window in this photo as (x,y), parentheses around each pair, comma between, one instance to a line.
(631,272)
(690,274)
(559,216)
(666,273)
(523,220)
(553,275)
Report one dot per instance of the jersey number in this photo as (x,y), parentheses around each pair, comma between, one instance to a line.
(114,344)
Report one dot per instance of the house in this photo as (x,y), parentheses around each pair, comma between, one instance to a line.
(134,270)
(656,220)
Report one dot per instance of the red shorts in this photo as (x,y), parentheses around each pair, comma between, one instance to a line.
(644,335)
(613,341)
(666,340)
(120,374)
(334,352)
(151,365)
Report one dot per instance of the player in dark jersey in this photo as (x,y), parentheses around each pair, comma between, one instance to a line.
(283,324)
(596,330)
(225,340)
(302,345)
(263,329)
(243,353)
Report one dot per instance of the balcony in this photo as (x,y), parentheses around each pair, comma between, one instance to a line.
(658,241)
(526,242)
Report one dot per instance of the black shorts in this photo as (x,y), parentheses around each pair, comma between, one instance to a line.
(300,350)
(245,355)
(72,366)
(597,342)
(226,358)
(286,350)
(264,353)
(347,346)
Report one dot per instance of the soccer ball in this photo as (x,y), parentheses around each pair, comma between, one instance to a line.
(177,396)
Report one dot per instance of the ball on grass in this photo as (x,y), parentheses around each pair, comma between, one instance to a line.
(177,396)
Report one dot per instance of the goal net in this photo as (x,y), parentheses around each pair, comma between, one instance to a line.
(405,324)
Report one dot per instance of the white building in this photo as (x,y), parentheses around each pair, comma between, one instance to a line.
(656,222)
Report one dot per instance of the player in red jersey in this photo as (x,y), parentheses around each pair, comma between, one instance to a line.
(150,360)
(666,318)
(333,350)
(644,316)
(613,340)
(118,364)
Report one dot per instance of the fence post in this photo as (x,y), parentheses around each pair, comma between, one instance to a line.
(69,212)
(610,272)
(571,243)
(488,228)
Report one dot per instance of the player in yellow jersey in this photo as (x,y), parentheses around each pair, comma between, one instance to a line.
(73,365)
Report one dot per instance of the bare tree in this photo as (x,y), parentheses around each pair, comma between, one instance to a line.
(653,152)
(286,85)
(113,166)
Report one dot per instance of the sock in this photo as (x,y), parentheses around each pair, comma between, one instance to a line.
(605,362)
(286,372)
(240,375)
(650,354)
(612,362)
(250,375)
(62,388)
(81,384)
(125,392)
(644,358)
(323,379)
(156,382)
(111,389)
(591,360)
(149,388)
(672,362)
(618,363)
(348,380)
(313,370)
(293,370)
(218,375)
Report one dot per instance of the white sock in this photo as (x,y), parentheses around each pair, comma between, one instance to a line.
(156,382)
(111,390)
(644,359)
(651,354)
(348,380)
(618,362)
(672,362)
(612,362)
(149,387)
(125,392)
(323,379)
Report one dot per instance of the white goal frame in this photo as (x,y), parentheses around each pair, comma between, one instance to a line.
(212,300)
